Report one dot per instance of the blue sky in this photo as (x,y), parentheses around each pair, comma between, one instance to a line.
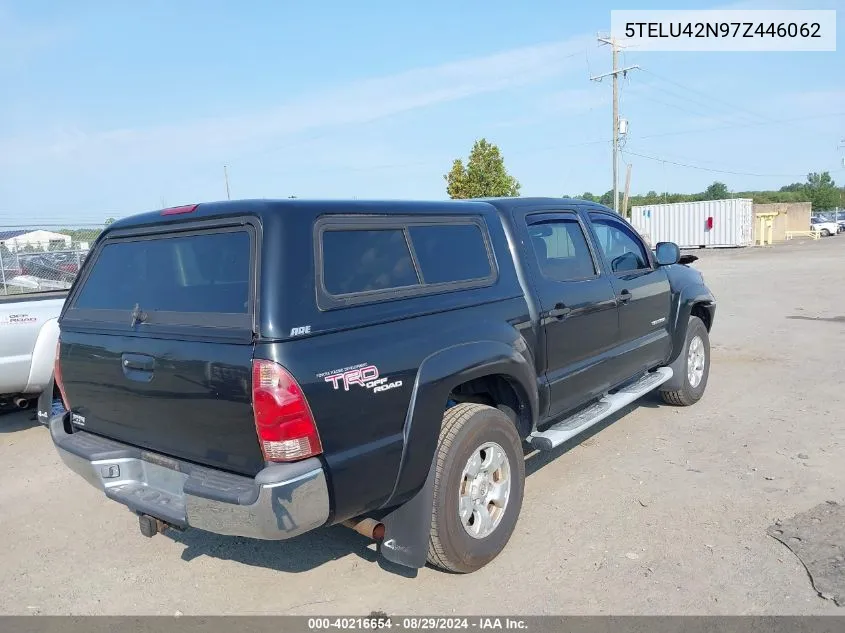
(112,108)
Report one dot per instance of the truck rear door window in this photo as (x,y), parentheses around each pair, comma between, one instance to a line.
(450,252)
(196,273)
(366,260)
(561,250)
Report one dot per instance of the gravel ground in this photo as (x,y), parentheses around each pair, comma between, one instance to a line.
(661,511)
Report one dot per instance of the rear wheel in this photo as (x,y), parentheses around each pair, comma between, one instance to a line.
(825,233)
(696,368)
(478,487)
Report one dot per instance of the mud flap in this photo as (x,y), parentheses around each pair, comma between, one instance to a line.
(47,406)
(406,529)
(679,374)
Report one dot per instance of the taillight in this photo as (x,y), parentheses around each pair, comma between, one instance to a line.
(57,378)
(283,419)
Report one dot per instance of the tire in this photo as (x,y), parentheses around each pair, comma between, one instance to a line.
(825,233)
(691,391)
(467,429)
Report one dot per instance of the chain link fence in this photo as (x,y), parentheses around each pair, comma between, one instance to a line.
(42,258)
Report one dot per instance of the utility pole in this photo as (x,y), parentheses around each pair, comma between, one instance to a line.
(627,193)
(842,190)
(614,47)
(615,56)
(226,178)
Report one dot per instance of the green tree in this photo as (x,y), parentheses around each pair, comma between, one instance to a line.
(822,191)
(108,221)
(483,176)
(717,191)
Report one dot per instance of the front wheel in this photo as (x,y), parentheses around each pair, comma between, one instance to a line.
(696,368)
(825,233)
(478,487)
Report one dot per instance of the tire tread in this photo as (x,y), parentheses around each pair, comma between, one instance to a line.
(682,397)
(676,398)
(453,421)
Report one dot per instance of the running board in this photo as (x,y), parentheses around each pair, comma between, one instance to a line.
(569,427)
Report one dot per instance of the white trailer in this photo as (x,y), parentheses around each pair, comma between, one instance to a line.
(711,223)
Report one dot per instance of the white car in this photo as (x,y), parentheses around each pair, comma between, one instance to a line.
(825,227)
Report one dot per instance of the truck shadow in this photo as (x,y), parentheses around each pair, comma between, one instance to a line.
(14,420)
(313,549)
(300,554)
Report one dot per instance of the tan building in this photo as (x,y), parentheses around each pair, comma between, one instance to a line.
(791,216)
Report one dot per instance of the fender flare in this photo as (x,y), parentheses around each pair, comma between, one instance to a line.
(43,357)
(438,374)
(688,297)
(407,525)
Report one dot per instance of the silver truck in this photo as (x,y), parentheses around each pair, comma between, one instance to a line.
(28,336)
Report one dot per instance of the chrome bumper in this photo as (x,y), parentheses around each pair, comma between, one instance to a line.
(282,501)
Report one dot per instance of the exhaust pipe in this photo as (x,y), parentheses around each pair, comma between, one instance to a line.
(370,528)
(21,403)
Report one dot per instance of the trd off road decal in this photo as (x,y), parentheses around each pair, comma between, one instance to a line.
(363,375)
(17,319)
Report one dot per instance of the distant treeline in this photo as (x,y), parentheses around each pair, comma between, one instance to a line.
(819,189)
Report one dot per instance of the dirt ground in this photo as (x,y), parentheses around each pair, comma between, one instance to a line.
(661,511)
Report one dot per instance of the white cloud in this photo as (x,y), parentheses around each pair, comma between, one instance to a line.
(355,103)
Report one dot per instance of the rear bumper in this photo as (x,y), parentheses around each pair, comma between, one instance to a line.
(282,501)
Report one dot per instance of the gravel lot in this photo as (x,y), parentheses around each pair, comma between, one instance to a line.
(661,511)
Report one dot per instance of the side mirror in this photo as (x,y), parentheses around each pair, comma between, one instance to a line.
(667,253)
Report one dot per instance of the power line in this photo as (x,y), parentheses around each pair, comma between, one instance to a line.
(701,107)
(708,95)
(557,146)
(710,169)
(642,95)
(731,106)
(704,109)
(743,125)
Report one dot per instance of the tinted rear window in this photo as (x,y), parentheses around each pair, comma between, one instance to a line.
(364,260)
(450,252)
(207,272)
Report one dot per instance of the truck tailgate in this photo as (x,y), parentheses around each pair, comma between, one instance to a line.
(188,399)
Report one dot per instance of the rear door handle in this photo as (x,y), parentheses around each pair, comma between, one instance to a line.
(560,311)
(138,362)
(624,296)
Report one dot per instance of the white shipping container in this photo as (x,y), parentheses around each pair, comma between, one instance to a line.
(711,223)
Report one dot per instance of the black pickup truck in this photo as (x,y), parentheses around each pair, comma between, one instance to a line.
(263,368)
